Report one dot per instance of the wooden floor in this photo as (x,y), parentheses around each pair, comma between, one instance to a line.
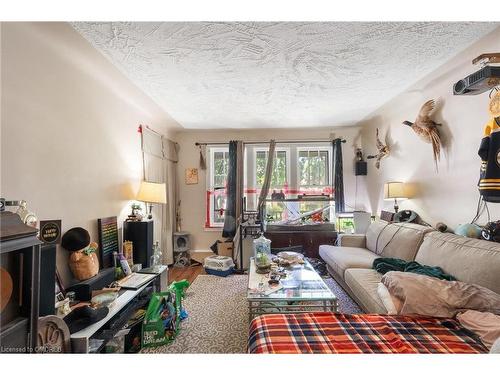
(188,273)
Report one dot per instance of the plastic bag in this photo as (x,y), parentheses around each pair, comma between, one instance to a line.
(162,319)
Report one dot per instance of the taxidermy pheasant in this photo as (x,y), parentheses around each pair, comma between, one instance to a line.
(427,129)
(383,151)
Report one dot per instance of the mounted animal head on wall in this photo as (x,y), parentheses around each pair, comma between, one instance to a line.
(383,151)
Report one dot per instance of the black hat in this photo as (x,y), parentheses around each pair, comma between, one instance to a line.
(75,239)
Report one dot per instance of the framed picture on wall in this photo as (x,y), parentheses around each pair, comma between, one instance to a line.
(191,176)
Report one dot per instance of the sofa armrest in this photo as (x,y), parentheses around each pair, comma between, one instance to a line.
(352,240)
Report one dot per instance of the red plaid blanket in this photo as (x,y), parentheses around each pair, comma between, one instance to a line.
(364,333)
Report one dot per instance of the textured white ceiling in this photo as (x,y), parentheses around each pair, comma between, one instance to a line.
(276,74)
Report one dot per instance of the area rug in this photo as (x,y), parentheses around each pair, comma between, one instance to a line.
(218,316)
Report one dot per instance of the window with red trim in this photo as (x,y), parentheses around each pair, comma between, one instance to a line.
(298,169)
(216,185)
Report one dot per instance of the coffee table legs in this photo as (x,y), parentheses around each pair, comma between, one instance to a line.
(256,308)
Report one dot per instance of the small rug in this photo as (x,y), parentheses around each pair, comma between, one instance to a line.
(218,316)
(319,266)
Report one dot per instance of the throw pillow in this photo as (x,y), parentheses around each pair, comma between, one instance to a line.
(484,324)
(429,296)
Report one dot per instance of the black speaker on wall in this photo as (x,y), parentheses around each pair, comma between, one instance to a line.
(140,233)
(361,168)
(47,280)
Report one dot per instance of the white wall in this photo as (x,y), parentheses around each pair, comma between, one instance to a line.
(451,194)
(69,119)
(193,197)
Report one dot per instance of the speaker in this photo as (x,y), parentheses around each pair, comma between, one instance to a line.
(47,280)
(83,290)
(361,168)
(181,242)
(140,233)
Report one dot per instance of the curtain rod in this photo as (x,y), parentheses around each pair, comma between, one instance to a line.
(265,142)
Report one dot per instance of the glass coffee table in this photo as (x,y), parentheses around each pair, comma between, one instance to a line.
(303,290)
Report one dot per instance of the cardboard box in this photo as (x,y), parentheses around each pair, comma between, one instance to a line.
(200,255)
(225,249)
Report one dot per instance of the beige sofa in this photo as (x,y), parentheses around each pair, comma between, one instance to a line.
(350,263)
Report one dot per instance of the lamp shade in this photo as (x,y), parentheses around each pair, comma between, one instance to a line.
(152,192)
(394,190)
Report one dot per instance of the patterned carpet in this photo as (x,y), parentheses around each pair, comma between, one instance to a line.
(218,316)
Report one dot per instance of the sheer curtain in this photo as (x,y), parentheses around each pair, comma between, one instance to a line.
(160,165)
(267,178)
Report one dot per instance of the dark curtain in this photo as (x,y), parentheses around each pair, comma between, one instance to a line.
(234,189)
(338,176)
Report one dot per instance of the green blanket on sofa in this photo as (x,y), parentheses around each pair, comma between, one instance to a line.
(384,265)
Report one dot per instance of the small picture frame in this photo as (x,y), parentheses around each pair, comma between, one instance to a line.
(191,176)
(50,231)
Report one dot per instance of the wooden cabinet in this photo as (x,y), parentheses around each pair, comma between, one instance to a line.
(309,240)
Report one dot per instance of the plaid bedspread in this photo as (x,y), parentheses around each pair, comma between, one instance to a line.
(363,333)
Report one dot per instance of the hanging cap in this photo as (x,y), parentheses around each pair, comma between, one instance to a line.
(75,239)
(494,106)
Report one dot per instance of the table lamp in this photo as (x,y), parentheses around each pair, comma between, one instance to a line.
(395,190)
(152,192)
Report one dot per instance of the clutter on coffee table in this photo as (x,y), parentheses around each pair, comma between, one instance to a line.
(294,289)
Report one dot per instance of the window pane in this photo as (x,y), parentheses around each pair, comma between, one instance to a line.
(313,168)
(219,181)
(218,178)
(219,205)
(260,166)
(279,173)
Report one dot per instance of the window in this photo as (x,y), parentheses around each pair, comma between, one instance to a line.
(280,168)
(313,177)
(279,177)
(216,191)
(313,168)
(310,175)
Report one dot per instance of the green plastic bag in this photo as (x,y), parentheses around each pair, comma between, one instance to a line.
(162,319)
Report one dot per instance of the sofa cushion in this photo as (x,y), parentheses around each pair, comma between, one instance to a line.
(352,240)
(469,260)
(396,240)
(364,284)
(340,258)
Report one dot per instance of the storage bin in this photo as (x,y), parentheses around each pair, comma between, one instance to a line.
(218,265)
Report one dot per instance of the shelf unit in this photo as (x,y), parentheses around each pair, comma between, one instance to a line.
(19,320)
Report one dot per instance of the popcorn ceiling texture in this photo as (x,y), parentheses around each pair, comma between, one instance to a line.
(277,74)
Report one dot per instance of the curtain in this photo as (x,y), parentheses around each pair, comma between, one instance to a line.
(234,193)
(267,179)
(169,210)
(160,165)
(203,157)
(338,173)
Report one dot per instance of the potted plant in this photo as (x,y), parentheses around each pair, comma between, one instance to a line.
(349,227)
(136,211)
